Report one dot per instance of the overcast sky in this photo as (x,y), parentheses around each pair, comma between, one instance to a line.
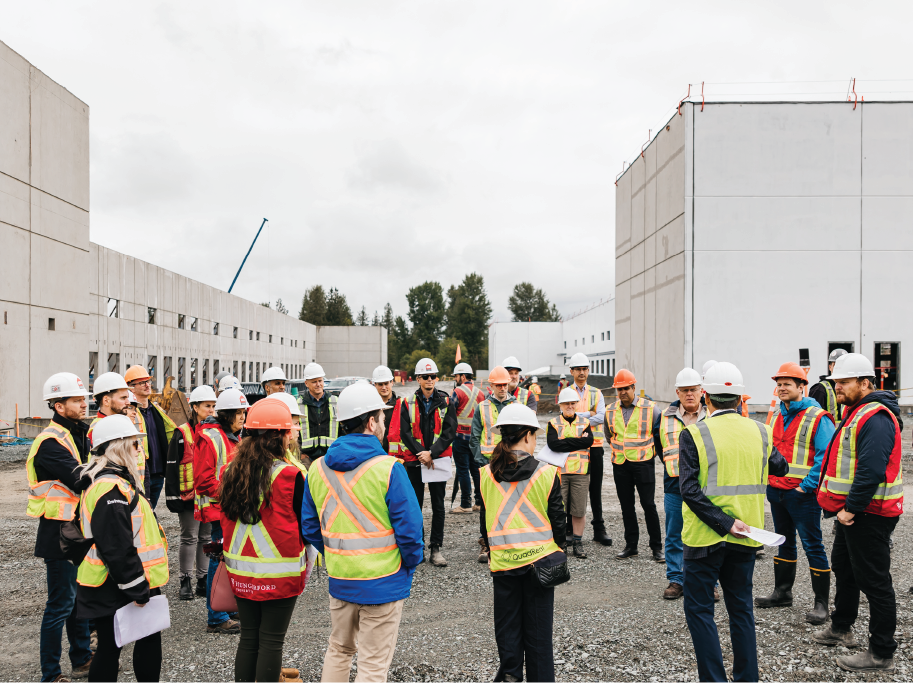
(391,143)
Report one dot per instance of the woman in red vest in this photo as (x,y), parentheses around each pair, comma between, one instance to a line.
(263,549)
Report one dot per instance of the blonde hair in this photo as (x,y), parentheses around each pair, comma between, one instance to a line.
(117,452)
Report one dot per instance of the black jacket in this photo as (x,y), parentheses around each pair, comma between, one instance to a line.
(173,473)
(426,426)
(53,461)
(318,413)
(155,464)
(568,445)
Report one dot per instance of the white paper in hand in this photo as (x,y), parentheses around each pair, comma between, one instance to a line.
(132,623)
(310,560)
(765,537)
(552,458)
(443,468)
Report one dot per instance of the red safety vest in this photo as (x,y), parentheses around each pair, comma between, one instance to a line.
(468,399)
(212,452)
(185,467)
(415,413)
(396,448)
(797,445)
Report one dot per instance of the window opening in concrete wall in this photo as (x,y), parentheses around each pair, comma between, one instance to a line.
(150,315)
(608,335)
(243,370)
(181,320)
(150,368)
(304,344)
(93,363)
(271,339)
(215,368)
(258,336)
(281,341)
(803,358)
(257,376)
(215,329)
(114,362)
(112,308)
(592,339)
(52,324)
(250,335)
(849,347)
(166,369)
(234,333)
(206,371)
(887,365)
(193,373)
(193,324)
(575,342)
(234,366)
(182,385)
(583,341)
(5,318)
(602,336)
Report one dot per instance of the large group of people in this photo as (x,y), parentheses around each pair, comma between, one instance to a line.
(262,490)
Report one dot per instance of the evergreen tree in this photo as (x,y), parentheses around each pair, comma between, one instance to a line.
(426,313)
(280,307)
(314,306)
(468,315)
(338,311)
(362,319)
(530,304)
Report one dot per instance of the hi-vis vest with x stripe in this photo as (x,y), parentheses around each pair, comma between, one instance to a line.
(834,408)
(266,560)
(796,444)
(309,436)
(51,498)
(206,508)
(472,397)
(522,395)
(671,427)
(516,517)
(588,403)
(578,462)
(488,413)
(734,453)
(355,522)
(634,440)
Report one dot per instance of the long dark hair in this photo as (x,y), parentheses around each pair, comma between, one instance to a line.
(502,458)
(225,418)
(247,478)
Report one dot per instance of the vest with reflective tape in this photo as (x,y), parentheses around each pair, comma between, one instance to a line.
(670,430)
(516,517)
(522,395)
(148,538)
(141,455)
(588,403)
(840,462)
(578,462)
(488,439)
(395,444)
(185,467)
(51,498)
(415,416)
(835,409)
(471,397)
(634,440)
(224,454)
(309,440)
(266,560)
(797,444)
(734,453)
(355,522)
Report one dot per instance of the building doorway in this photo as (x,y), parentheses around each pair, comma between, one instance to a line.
(887,365)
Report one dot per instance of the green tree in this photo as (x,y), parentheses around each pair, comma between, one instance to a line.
(362,319)
(280,307)
(314,306)
(530,304)
(375,321)
(467,318)
(399,342)
(338,311)
(446,355)
(426,313)
(409,360)
(265,304)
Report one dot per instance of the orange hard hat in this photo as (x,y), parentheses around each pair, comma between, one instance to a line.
(268,415)
(623,378)
(499,376)
(135,372)
(791,370)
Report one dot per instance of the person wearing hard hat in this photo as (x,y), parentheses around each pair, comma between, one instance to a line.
(523,396)
(592,407)
(562,383)
(466,397)
(862,484)
(319,428)
(227,382)
(483,438)
(823,390)
(54,487)
(522,520)
(128,558)
(631,423)
(572,434)
(273,380)
(724,462)
(802,431)
(427,428)
(112,396)
(382,379)
(218,379)
(179,495)
(293,452)
(215,442)
(535,389)
(372,544)
(157,427)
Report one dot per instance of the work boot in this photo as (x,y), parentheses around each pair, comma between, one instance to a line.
(865,661)
(760,554)
(230,626)
(659,556)
(716,594)
(437,559)
(186,592)
(476,508)
(673,592)
(289,675)
(483,553)
(629,551)
(831,636)
(784,578)
(821,586)
(81,671)
(201,587)
(461,511)
(599,535)
(578,550)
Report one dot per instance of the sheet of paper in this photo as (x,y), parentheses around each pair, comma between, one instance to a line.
(765,537)
(552,458)
(311,555)
(443,468)
(132,623)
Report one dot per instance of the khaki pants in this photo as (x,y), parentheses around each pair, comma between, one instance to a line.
(374,627)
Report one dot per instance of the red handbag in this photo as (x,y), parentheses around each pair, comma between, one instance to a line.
(222,597)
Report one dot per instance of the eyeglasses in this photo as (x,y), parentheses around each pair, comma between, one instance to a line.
(136,444)
(140,382)
(499,386)
(427,377)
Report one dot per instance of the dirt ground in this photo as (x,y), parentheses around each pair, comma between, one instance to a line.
(610,620)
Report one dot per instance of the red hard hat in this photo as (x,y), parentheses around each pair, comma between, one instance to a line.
(623,378)
(268,415)
(791,370)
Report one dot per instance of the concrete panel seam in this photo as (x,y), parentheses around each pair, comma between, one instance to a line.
(38,189)
(654,288)
(678,152)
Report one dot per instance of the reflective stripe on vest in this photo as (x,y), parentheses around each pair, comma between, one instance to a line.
(473,396)
(215,436)
(669,432)
(51,498)
(578,462)
(587,404)
(797,443)
(834,408)
(308,441)
(395,444)
(634,440)
(415,419)
(185,467)
(522,395)
(488,439)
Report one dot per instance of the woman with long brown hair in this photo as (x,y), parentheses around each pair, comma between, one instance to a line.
(263,549)
(522,521)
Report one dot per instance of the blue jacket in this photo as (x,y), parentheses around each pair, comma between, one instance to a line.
(345,454)
(823,434)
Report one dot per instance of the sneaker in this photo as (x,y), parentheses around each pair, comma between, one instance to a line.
(81,671)
(289,675)
(230,626)
(830,637)
(461,511)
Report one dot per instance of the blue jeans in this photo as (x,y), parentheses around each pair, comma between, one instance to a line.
(157,483)
(60,610)
(734,570)
(462,458)
(214,618)
(794,511)
(672,503)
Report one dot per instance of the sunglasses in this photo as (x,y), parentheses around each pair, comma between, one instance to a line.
(427,377)
(136,444)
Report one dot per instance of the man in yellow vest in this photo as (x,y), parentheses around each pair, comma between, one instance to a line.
(359,510)
(824,391)
(157,427)
(524,396)
(54,490)
(631,422)
(724,462)
(319,427)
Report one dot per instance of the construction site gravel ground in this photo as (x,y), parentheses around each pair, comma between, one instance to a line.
(610,620)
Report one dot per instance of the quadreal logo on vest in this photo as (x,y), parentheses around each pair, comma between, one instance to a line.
(516,555)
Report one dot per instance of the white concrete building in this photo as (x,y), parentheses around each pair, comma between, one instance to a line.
(535,345)
(591,332)
(70,305)
(760,233)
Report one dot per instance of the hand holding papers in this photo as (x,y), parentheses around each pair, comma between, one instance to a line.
(443,468)
(132,622)
(765,537)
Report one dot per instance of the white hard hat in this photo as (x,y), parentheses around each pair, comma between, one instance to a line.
(231,399)
(133,399)
(535,379)
(568,394)
(516,414)
(202,393)
(709,364)
(688,378)
(313,371)
(113,427)
(563,377)
(229,382)
(287,399)
(579,360)
(382,374)
(852,365)
(462,369)
(511,363)
(273,373)
(723,378)
(110,381)
(425,366)
(64,385)
(357,399)
(835,354)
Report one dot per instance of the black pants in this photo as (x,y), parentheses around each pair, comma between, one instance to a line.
(524,615)
(263,627)
(633,476)
(147,654)
(437,490)
(596,472)
(861,561)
